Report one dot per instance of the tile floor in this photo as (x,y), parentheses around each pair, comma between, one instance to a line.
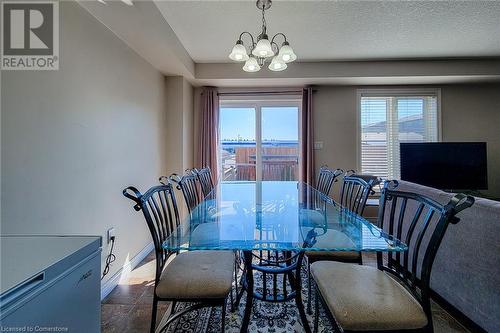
(128,307)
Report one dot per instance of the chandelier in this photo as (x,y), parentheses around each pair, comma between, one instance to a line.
(264,49)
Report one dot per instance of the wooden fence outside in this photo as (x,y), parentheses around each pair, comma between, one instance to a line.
(278,163)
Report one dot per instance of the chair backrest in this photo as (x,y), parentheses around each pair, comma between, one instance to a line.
(355,191)
(205,178)
(159,207)
(189,186)
(421,223)
(326,179)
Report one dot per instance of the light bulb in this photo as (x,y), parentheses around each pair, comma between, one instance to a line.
(277,64)
(239,53)
(286,53)
(263,48)
(251,65)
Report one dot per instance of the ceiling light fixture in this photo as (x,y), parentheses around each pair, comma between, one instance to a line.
(264,49)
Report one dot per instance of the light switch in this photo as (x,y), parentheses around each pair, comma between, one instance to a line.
(318,144)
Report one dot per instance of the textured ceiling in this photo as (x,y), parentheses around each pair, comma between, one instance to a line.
(342,30)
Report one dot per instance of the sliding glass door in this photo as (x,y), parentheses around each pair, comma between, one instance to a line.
(259,140)
(238,143)
(280,143)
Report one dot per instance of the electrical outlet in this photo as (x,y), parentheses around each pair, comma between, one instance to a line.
(111,233)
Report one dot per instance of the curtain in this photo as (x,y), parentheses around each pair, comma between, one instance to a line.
(209,129)
(307,138)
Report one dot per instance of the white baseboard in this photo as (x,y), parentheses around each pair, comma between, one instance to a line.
(112,282)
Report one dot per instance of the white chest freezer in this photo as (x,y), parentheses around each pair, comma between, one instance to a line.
(50,284)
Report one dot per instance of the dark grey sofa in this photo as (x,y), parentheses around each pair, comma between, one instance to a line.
(466,272)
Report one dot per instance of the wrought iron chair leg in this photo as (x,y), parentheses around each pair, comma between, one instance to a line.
(430,325)
(309,291)
(247,257)
(298,296)
(231,297)
(153,314)
(223,326)
(235,302)
(316,311)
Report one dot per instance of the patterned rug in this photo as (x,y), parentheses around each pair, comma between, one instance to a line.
(266,317)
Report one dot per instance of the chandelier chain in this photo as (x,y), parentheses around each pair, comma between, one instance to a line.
(264,24)
(263,48)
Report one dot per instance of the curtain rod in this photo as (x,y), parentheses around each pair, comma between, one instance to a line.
(288,92)
(250,93)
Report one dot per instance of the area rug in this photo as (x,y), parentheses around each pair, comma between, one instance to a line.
(266,317)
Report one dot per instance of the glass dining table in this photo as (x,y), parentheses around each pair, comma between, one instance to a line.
(272,224)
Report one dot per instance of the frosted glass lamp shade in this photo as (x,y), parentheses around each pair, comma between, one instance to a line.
(286,53)
(263,48)
(239,52)
(277,64)
(251,65)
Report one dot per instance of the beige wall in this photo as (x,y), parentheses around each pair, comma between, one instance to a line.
(468,112)
(472,113)
(73,139)
(174,126)
(196,124)
(180,118)
(188,124)
(180,147)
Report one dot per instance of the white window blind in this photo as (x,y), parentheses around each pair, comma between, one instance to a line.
(389,119)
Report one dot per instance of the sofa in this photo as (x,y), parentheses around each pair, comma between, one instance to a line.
(466,271)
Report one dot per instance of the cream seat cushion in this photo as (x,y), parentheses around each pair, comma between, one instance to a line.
(363,298)
(197,275)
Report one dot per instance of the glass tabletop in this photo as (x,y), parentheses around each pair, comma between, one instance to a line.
(278,215)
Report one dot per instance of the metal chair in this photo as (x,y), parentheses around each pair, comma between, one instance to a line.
(188,185)
(279,280)
(326,179)
(356,188)
(355,191)
(354,194)
(181,280)
(395,295)
(205,178)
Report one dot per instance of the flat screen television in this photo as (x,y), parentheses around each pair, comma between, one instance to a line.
(445,165)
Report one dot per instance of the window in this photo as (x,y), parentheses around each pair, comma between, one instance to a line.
(389,118)
(259,140)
